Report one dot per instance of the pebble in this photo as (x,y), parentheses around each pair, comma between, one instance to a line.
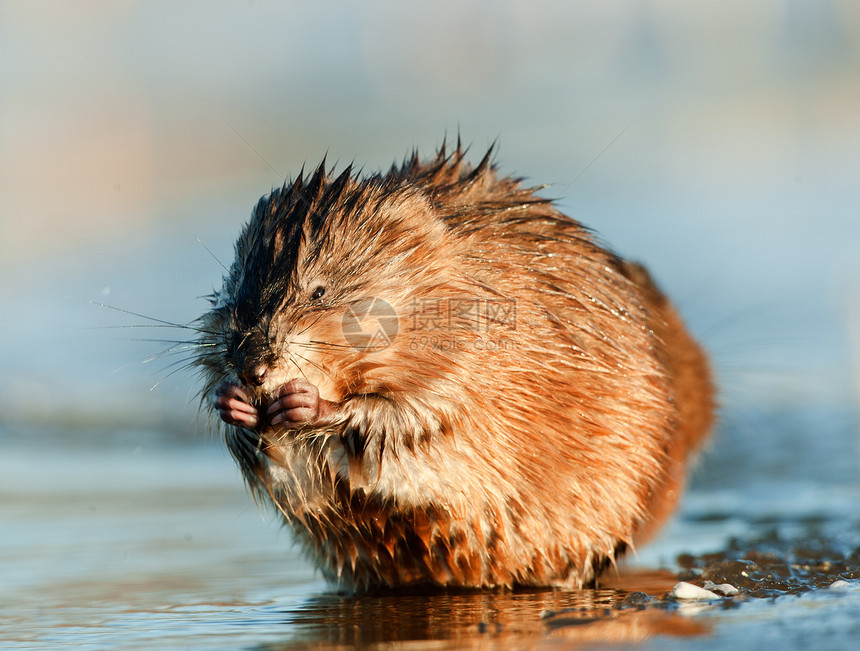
(684,590)
(726,588)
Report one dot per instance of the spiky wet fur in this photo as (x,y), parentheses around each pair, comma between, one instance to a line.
(479,449)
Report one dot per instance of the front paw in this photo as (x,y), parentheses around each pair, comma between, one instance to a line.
(234,407)
(298,403)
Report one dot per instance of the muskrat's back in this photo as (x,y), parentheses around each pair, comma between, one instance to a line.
(440,379)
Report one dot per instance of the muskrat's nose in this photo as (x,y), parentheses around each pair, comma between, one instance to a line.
(256,375)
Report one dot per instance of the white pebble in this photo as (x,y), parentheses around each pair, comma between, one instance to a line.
(684,590)
(840,584)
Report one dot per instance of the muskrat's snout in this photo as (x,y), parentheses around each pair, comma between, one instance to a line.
(254,374)
(252,358)
(250,369)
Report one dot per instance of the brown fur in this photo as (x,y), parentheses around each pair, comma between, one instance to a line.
(481,448)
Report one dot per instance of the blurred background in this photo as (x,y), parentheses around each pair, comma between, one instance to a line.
(720,145)
(717,142)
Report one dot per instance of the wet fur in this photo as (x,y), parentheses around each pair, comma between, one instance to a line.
(478,449)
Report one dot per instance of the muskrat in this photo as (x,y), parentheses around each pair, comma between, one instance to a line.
(440,379)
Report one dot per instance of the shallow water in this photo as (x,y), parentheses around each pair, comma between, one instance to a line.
(132,540)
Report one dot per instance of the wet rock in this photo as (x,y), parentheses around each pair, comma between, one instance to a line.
(637,600)
(770,567)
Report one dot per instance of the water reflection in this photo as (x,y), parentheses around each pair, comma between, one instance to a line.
(465,619)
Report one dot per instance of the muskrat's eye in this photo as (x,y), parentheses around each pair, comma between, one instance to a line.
(318,292)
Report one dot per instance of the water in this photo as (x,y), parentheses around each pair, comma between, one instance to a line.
(113,542)
(133,539)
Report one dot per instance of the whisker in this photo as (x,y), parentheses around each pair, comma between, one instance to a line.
(314,364)
(296,364)
(311,324)
(596,158)
(258,153)
(175,342)
(188,364)
(146,359)
(322,345)
(325,344)
(177,348)
(143,316)
(166,353)
(244,339)
(152,325)
(184,360)
(208,250)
